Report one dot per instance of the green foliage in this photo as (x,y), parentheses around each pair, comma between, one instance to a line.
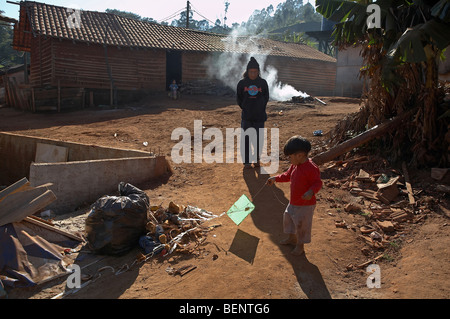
(407,26)
(8,56)
(286,14)
(401,66)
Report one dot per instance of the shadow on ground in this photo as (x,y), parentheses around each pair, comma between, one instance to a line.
(270,203)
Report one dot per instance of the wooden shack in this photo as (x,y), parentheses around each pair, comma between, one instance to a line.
(82,57)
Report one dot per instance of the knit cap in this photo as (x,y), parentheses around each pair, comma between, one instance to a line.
(252,64)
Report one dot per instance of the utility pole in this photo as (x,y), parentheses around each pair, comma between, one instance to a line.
(187,14)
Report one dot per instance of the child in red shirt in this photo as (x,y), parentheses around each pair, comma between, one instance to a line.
(305,180)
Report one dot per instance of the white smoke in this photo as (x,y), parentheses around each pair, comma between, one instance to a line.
(229,66)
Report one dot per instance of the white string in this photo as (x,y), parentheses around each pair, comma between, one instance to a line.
(273,190)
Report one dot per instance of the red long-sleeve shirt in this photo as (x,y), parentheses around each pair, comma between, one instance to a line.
(303,177)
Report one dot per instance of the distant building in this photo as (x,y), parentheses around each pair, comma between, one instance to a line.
(93,54)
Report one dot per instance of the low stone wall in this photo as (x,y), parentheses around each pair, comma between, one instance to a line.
(89,172)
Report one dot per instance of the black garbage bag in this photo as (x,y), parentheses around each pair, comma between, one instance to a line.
(151,244)
(115,223)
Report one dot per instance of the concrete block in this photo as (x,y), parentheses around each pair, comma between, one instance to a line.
(90,172)
(83,182)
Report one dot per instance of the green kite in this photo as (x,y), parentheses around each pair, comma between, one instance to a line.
(240,210)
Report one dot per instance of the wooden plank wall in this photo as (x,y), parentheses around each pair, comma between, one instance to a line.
(41,61)
(194,66)
(313,77)
(85,66)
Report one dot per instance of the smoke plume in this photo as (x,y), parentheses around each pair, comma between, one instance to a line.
(229,66)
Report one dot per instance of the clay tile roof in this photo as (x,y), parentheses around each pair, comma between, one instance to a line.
(109,29)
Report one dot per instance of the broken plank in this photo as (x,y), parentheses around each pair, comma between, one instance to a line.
(52,228)
(370,261)
(408,184)
(360,139)
(17,206)
(18,186)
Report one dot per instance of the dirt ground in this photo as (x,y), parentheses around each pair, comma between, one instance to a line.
(245,261)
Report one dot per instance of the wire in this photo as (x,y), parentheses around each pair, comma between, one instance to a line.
(194,9)
(204,17)
(172,15)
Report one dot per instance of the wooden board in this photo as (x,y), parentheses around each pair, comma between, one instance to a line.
(37,222)
(408,184)
(48,153)
(18,186)
(17,206)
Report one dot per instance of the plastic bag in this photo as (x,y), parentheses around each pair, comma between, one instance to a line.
(115,223)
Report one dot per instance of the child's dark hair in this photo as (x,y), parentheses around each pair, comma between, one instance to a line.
(297,144)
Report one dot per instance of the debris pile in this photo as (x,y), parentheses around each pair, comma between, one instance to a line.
(207,87)
(302,99)
(386,200)
(32,251)
(176,227)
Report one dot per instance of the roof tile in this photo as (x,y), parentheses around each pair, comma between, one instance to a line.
(109,29)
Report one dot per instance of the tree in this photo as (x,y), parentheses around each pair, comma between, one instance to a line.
(8,56)
(400,65)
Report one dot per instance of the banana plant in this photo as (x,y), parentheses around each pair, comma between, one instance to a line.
(413,31)
(401,56)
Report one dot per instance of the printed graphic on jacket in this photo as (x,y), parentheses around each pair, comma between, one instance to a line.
(252,90)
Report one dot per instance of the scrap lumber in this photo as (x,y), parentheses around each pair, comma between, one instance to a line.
(408,184)
(371,261)
(39,223)
(388,192)
(18,186)
(15,207)
(362,138)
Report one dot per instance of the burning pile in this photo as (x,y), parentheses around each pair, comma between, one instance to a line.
(302,99)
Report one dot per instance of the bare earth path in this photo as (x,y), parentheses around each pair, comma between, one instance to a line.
(242,261)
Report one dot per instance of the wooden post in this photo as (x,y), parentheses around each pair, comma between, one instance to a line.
(83,98)
(6,91)
(91,98)
(408,184)
(59,96)
(25,66)
(33,101)
(362,138)
(111,97)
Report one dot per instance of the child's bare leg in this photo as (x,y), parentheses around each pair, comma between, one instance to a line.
(291,240)
(298,250)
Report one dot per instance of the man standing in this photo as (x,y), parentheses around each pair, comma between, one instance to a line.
(252,97)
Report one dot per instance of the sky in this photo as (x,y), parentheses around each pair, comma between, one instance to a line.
(238,11)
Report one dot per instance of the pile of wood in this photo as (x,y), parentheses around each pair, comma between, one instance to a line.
(20,201)
(386,200)
(179,227)
(206,87)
